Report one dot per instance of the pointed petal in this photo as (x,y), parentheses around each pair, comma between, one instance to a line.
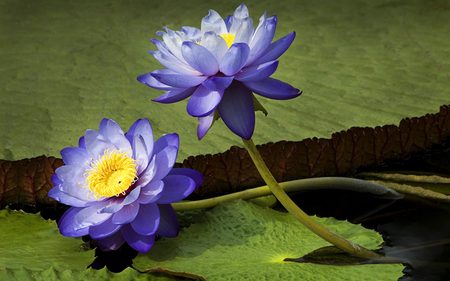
(273,89)
(126,214)
(67,224)
(203,101)
(215,44)
(74,156)
(234,59)
(91,215)
(257,72)
(97,144)
(237,111)
(150,81)
(112,131)
(193,174)
(144,129)
(112,242)
(73,189)
(105,229)
(213,22)
(200,58)
(175,95)
(244,32)
(176,188)
(168,224)
(276,49)
(71,173)
(218,83)
(176,80)
(166,140)
(148,174)
(151,192)
(165,160)
(147,220)
(140,243)
(204,124)
(67,199)
(261,39)
(140,153)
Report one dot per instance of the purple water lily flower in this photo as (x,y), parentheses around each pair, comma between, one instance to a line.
(120,186)
(219,67)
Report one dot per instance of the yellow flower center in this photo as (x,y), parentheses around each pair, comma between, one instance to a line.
(229,38)
(111,175)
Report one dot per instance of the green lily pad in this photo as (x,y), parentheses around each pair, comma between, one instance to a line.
(242,241)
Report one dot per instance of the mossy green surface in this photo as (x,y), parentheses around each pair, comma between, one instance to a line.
(242,241)
(66,65)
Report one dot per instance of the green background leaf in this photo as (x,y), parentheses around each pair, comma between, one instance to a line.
(66,65)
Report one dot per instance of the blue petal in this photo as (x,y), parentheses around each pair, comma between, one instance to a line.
(74,156)
(176,188)
(81,143)
(165,160)
(200,58)
(105,229)
(204,124)
(234,59)
(175,95)
(91,215)
(148,174)
(213,22)
(96,144)
(147,220)
(140,153)
(218,83)
(169,61)
(166,140)
(168,224)
(193,174)
(257,72)
(112,131)
(112,242)
(144,129)
(276,49)
(126,214)
(261,39)
(150,81)
(244,32)
(203,101)
(73,189)
(151,192)
(176,80)
(67,224)
(237,111)
(215,44)
(192,33)
(273,89)
(71,173)
(67,199)
(140,243)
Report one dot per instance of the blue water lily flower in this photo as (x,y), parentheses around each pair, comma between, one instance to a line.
(219,67)
(120,186)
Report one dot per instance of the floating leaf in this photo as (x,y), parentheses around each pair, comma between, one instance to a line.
(329,255)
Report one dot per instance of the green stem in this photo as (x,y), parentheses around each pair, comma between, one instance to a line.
(321,231)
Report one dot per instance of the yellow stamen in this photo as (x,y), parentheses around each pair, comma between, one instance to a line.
(111,175)
(229,38)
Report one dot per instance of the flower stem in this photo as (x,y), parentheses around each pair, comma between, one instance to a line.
(285,200)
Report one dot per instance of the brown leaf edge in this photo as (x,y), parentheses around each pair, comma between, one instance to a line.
(182,274)
(27,181)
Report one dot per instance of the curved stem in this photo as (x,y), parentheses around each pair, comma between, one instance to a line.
(311,224)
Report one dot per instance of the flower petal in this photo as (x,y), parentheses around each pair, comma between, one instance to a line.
(257,72)
(140,243)
(140,153)
(73,189)
(67,199)
(234,59)
(261,39)
(276,49)
(105,229)
(213,22)
(193,174)
(74,156)
(148,174)
(200,58)
(175,95)
(204,124)
(67,224)
(215,44)
(151,192)
(166,140)
(112,131)
(237,111)
(176,80)
(168,224)
(71,173)
(244,32)
(112,242)
(273,89)
(126,214)
(165,160)
(91,215)
(96,144)
(176,188)
(203,101)
(150,81)
(147,220)
(218,83)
